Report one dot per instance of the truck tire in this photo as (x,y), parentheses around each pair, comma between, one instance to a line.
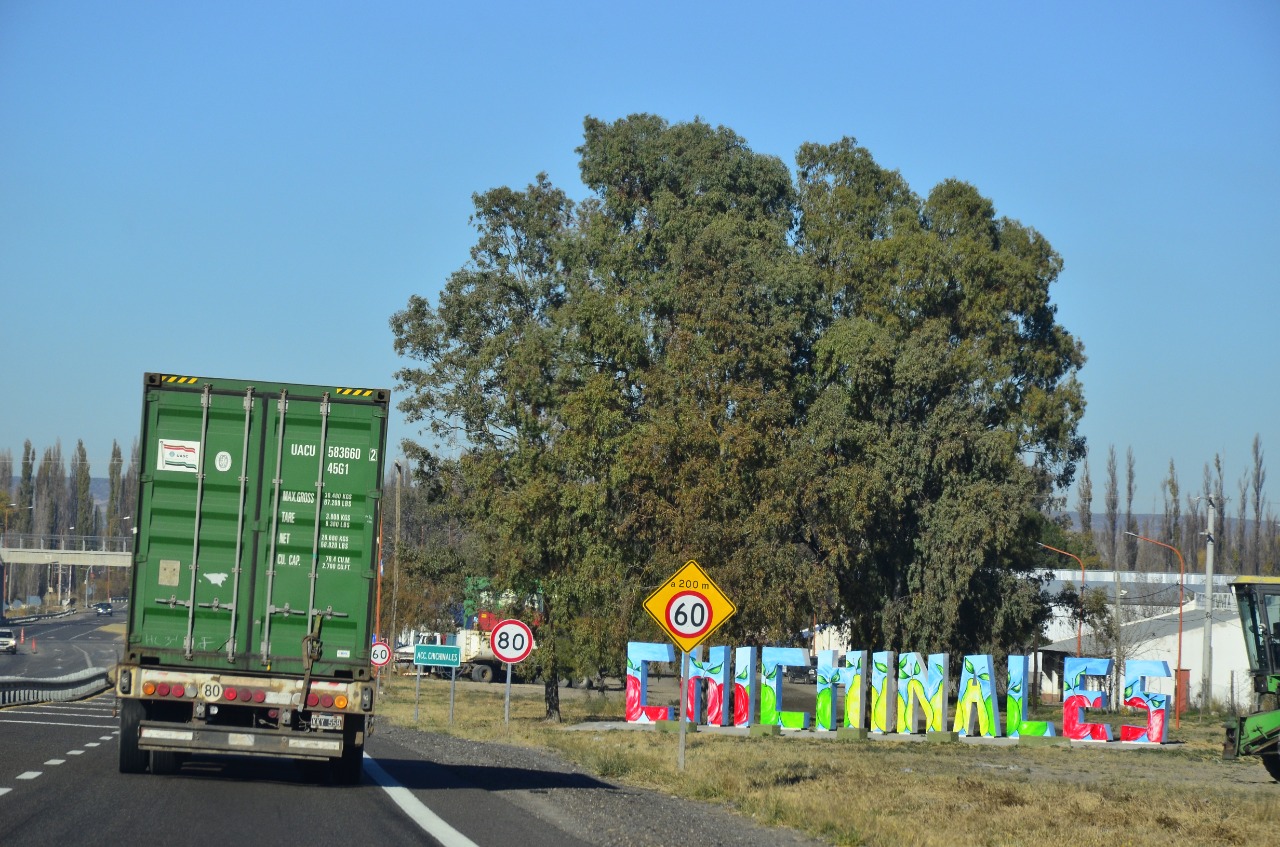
(165,762)
(482,673)
(132,760)
(348,769)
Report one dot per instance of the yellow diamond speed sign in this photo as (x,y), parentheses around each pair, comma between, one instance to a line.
(689,606)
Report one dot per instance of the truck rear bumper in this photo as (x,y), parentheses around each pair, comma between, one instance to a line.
(240,741)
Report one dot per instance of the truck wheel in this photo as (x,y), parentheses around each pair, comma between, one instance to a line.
(482,673)
(132,760)
(347,769)
(165,762)
(1271,761)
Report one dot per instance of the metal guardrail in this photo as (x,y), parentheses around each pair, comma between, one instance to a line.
(17,690)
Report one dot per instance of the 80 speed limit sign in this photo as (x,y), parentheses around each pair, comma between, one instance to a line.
(511,641)
(689,606)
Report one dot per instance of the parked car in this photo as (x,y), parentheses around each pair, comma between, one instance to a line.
(807,675)
(8,643)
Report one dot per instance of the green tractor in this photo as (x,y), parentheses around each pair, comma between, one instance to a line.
(1258,734)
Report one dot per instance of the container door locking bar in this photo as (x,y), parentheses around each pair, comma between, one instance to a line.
(283,407)
(236,565)
(205,399)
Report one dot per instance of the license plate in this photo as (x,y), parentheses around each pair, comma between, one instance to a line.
(319,721)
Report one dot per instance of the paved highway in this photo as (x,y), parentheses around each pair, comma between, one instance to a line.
(64,645)
(59,780)
(60,783)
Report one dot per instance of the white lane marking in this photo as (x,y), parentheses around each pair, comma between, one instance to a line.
(96,744)
(63,713)
(105,737)
(28,775)
(5,790)
(56,762)
(58,723)
(428,820)
(75,752)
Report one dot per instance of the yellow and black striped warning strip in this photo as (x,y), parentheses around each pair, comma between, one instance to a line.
(354,392)
(179,380)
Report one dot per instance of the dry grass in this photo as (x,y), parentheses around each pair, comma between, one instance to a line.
(895,793)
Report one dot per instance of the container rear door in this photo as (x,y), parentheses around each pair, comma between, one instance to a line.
(258,525)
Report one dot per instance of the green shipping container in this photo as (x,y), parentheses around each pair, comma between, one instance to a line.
(257,526)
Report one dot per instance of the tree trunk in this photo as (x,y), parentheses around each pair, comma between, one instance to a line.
(550,666)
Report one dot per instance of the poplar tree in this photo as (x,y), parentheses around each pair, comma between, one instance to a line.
(1111,507)
(114,483)
(1257,479)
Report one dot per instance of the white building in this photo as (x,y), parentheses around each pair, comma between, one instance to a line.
(1149,605)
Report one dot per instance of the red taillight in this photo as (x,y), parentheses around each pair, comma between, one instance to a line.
(313,699)
(228,693)
(245,695)
(162,689)
(259,696)
(177,690)
(273,713)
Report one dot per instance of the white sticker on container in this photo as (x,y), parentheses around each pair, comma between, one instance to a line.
(178,456)
(222,461)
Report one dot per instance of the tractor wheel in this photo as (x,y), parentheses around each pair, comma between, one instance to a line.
(1271,761)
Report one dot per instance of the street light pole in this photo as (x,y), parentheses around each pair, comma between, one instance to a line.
(1080,619)
(395,556)
(4,580)
(1182,575)
(1206,683)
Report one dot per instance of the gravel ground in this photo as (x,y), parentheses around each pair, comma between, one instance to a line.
(594,810)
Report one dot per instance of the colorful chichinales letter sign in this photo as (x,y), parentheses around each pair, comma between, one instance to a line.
(888,693)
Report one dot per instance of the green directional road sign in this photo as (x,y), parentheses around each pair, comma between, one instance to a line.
(440,655)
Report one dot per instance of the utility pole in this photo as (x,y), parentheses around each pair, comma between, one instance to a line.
(395,558)
(1206,684)
(1117,699)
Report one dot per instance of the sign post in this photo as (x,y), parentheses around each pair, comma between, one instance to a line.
(379,655)
(512,642)
(435,655)
(689,607)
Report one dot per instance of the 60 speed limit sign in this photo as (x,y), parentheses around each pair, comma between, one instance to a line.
(379,654)
(689,606)
(511,640)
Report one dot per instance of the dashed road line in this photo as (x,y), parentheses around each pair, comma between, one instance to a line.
(4,791)
(56,762)
(28,775)
(75,752)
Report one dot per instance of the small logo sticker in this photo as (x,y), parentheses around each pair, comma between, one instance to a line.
(179,456)
(222,461)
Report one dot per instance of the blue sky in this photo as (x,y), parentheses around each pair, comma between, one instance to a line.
(250,190)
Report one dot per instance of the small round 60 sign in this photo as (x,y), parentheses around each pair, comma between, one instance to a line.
(511,640)
(689,606)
